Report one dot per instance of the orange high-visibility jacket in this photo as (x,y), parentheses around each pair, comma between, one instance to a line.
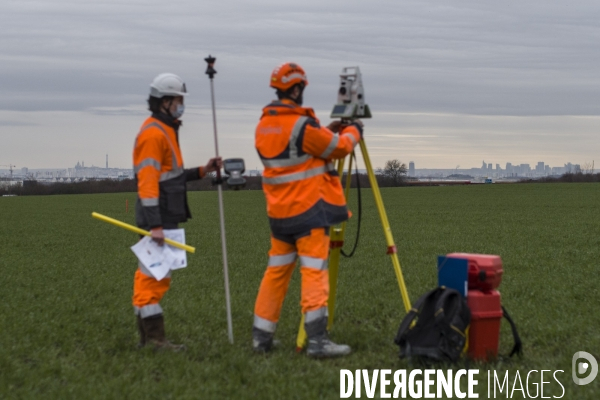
(160,176)
(302,188)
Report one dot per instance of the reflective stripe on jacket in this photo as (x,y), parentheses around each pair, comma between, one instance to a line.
(300,183)
(160,176)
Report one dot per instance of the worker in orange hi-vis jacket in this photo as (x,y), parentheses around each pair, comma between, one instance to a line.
(162,200)
(304,198)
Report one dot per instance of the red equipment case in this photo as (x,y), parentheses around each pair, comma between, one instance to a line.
(485,270)
(484,332)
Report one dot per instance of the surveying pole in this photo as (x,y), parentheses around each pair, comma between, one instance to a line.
(350,106)
(210,71)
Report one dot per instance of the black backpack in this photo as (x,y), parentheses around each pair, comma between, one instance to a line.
(436,327)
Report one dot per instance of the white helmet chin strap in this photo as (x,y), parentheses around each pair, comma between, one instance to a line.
(167,107)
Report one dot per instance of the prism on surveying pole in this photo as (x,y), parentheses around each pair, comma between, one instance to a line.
(210,71)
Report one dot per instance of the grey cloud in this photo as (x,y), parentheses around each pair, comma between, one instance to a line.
(440,77)
(8,123)
(504,58)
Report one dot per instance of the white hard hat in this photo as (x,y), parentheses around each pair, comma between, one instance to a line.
(167,85)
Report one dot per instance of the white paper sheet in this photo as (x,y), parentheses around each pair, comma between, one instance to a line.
(159,260)
(177,235)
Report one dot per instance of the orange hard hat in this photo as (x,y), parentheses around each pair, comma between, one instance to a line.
(287,75)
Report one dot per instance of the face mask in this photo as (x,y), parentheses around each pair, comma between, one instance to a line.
(179,112)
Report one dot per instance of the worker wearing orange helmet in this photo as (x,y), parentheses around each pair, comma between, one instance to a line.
(162,201)
(304,198)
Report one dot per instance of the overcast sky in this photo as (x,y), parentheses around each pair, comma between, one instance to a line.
(449,83)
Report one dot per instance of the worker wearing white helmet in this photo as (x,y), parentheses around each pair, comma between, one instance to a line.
(162,201)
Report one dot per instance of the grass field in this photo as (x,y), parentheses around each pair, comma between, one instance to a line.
(67,329)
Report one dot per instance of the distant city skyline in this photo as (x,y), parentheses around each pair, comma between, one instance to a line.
(407,137)
(510,170)
(81,162)
(539,169)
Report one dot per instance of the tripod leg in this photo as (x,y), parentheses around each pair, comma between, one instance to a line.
(391,246)
(337,241)
(301,337)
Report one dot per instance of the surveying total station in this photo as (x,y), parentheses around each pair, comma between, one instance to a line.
(351,105)
(351,96)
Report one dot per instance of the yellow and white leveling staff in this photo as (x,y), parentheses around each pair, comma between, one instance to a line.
(140,231)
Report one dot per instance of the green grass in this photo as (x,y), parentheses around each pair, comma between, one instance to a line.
(67,329)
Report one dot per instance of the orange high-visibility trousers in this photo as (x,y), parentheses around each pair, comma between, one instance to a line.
(313,249)
(147,293)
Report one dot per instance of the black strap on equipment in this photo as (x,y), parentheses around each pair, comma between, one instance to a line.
(348,255)
(518,347)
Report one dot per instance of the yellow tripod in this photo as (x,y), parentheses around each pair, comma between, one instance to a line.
(337,239)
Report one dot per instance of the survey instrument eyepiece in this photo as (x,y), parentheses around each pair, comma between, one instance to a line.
(351,96)
(210,71)
(234,167)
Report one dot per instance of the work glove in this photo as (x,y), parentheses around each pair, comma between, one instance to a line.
(337,126)
(359,125)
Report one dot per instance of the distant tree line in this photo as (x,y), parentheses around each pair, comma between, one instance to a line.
(33,188)
(578,177)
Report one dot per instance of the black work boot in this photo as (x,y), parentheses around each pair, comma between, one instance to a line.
(154,327)
(142,332)
(262,341)
(319,345)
